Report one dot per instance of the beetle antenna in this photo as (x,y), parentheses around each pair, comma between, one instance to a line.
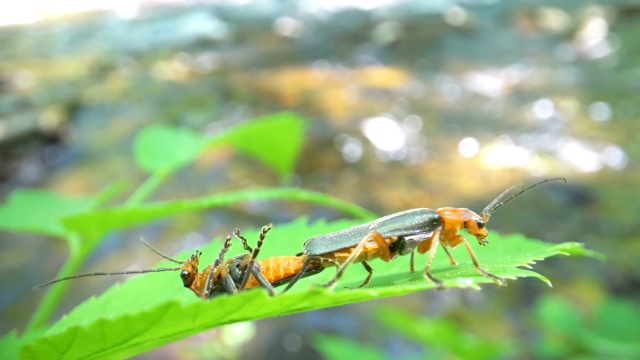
(127,272)
(161,254)
(144,271)
(509,195)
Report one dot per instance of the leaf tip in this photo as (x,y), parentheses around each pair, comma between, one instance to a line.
(578,249)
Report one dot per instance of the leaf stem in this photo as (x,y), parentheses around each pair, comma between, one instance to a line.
(149,186)
(54,295)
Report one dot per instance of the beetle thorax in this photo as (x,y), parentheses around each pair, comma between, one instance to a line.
(456,219)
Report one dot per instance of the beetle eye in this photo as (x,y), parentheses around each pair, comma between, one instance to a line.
(184,275)
(480,223)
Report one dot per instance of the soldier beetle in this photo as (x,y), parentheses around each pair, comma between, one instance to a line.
(230,276)
(402,233)
(243,271)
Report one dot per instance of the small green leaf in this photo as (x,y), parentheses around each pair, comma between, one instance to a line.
(275,139)
(41,212)
(160,147)
(153,310)
(576,249)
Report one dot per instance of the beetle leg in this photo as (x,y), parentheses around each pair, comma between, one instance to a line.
(254,254)
(229,284)
(498,280)
(257,274)
(435,239)
(368,279)
(234,269)
(383,246)
(412,263)
(295,279)
(245,243)
(451,259)
(209,285)
(354,254)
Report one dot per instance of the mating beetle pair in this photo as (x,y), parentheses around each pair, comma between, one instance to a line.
(401,233)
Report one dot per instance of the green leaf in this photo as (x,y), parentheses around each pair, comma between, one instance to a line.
(611,332)
(576,249)
(338,348)
(11,342)
(619,320)
(41,212)
(153,310)
(443,336)
(98,222)
(10,345)
(558,314)
(160,147)
(275,140)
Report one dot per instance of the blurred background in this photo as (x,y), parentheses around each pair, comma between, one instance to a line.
(410,104)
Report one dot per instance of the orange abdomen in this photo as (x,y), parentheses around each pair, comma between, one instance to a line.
(279,268)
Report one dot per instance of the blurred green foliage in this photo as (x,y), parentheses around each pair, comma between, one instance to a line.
(341,348)
(162,151)
(144,313)
(566,331)
(608,330)
(442,336)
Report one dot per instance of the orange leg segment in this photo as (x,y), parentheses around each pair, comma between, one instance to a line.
(451,259)
(385,254)
(435,239)
(498,280)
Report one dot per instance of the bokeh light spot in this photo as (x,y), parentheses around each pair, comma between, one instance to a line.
(469,147)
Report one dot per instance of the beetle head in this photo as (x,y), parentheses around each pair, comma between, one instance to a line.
(189,270)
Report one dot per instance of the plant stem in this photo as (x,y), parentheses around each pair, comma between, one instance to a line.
(149,186)
(278,193)
(54,295)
